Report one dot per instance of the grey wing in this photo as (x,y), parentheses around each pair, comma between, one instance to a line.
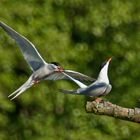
(95,90)
(55,76)
(29,51)
(108,89)
(76,75)
(79,76)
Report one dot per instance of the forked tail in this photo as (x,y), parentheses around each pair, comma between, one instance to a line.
(24,87)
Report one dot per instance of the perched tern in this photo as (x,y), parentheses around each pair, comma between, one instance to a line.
(41,69)
(98,88)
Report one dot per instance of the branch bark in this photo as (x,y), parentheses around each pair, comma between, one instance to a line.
(109,109)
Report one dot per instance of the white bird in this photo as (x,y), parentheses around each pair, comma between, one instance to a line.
(41,69)
(98,88)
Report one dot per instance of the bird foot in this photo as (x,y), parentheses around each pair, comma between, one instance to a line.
(99,100)
(36,81)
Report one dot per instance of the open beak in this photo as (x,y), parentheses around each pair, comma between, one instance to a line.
(59,69)
(109,59)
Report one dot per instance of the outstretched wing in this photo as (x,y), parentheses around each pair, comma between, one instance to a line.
(29,51)
(80,84)
(79,76)
(76,75)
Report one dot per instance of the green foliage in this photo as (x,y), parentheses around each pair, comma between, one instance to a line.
(81,35)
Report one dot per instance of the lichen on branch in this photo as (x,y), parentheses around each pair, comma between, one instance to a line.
(109,109)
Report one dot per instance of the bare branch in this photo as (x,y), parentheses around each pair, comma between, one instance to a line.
(109,109)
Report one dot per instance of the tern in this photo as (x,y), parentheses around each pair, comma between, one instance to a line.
(40,68)
(100,87)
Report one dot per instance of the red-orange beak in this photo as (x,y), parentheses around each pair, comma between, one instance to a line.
(109,59)
(59,69)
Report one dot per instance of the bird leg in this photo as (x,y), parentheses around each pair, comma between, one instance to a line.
(99,100)
(36,81)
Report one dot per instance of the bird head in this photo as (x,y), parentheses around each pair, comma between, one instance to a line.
(103,75)
(55,66)
(106,62)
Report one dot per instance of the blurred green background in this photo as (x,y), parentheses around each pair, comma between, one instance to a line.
(80,34)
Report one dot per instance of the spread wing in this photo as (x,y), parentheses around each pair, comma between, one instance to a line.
(28,50)
(76,75)
(79,76)
(80,84)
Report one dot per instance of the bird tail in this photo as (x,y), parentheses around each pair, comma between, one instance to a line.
(21,89)
(68,91)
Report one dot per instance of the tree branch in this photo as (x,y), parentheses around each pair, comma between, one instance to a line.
(109,109)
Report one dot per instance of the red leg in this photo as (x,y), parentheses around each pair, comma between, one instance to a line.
(98,100)
(36,81)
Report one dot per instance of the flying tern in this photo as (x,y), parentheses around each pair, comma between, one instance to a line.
(40,68)
(98,88)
